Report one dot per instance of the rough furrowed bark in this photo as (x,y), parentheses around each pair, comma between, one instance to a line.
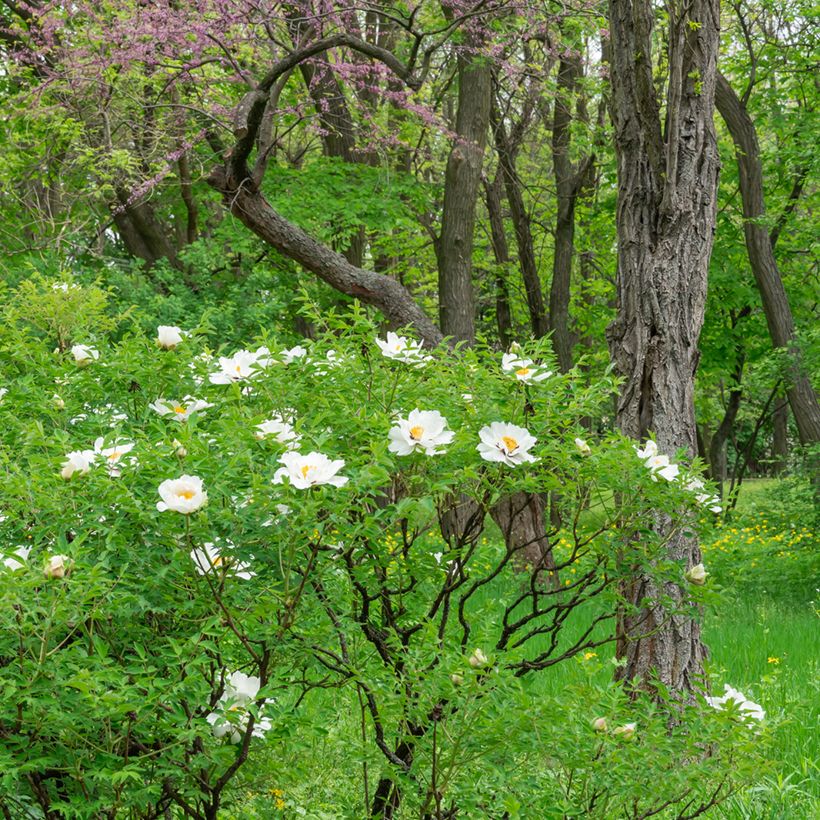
(667,191)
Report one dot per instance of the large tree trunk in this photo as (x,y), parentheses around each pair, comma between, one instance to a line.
(801,395)
(667,192)
(454,249)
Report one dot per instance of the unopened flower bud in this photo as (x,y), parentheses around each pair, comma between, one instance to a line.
(599,724)
(58,402)
(457,680)
(478,659)
(583,447)
(627,731)
(179,448)
(696,575)
(57,566)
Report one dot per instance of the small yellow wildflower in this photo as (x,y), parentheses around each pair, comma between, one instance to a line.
(773,660)
(588,656)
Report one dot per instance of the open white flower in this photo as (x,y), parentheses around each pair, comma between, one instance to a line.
(84,354)
(180,410)
(65,287)
(705,499)
(747,708)
(16,559)
(660,465)
(524,370)
(231,716)
(583,448)
(112,456)
(168,336)
(244,364)
(210,559)
(278,429)
(183,495)
(506,443)
(57,566)
(331,361)
(78,461)
(311,470)
(424,430)
(289,356)
(402,349)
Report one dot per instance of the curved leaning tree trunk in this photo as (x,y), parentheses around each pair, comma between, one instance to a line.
(799,390)
(667,191)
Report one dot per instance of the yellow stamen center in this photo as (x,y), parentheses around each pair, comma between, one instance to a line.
(416,432)
(238,368)
(114,456)
(509,443)
(305,469)
(217,561)
(186,494)
(523,371)
(179,408)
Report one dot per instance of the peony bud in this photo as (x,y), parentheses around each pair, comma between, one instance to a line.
(58,402)
(457,680)
(599,724)
(696,575)
(179,448)
(169,337)
(627,731)
(57,566)
(478,659)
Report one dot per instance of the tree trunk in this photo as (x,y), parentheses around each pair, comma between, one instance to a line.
(667,193)
(801,395)
(498,239)
(507,150)
(780,439)
(454,249)
(567,185)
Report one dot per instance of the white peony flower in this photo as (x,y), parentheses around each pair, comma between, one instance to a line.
(696,575)
(506,443)
(402,349)
(424,430)
(244,364)
(478,659)
(231,718)
(180,410)
(168,337)
(705,499)
(78,461)
(112,455)
(183,495)
(309,470)
(523,369)
(747,708)
(659,465)
(57,566)
(278,429)
(290,356)
(583,448)
(210,559)
(65,287)
(84,354)
(15,560)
